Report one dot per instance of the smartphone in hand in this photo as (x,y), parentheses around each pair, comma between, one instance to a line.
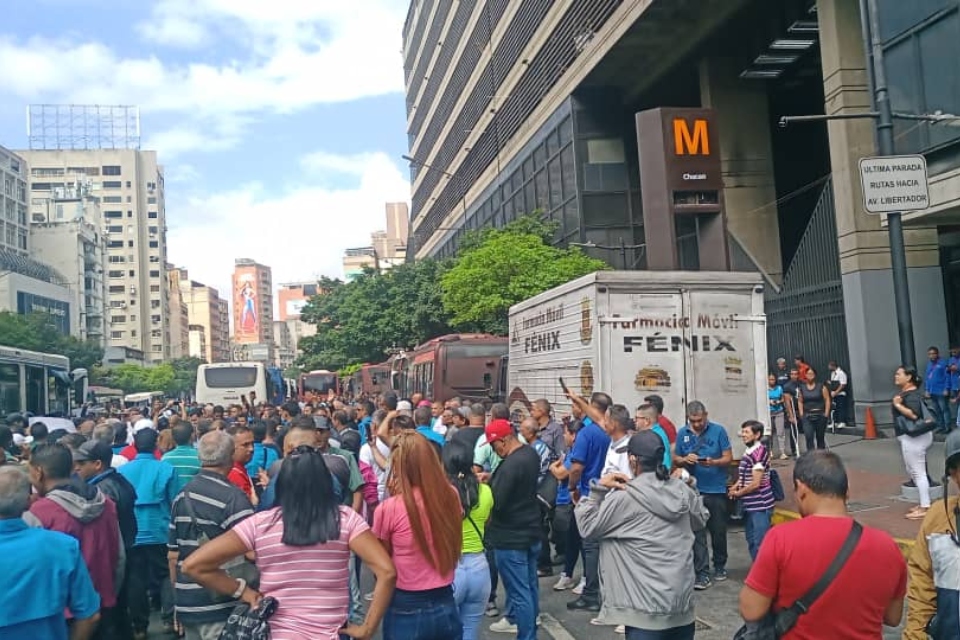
(563,385)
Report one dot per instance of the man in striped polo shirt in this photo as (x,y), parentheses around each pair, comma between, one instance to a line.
(753,486)
(208,506)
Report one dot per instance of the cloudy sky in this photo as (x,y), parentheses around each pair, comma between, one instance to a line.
(280,123)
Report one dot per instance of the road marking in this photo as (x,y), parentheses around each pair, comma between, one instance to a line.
(553,627)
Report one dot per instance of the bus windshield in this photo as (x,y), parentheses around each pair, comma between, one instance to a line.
(230,377)
(319,382)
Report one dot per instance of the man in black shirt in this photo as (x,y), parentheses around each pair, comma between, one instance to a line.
(513,531)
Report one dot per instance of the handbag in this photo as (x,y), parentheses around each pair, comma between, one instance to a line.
(547,490)
(245,623)
(775,625)
(239,567)
(776,486)
(924,424)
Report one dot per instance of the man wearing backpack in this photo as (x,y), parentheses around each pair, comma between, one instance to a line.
(865,593)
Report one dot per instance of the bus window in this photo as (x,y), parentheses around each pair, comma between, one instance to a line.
(230,377)
(36,387)
(9,389)
(58,392)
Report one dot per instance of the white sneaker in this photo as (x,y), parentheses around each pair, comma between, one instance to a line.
(621,629)
(539,620)
(578,590)
(564,583)
(599,623)
(503,626)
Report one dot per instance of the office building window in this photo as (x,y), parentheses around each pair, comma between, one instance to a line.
(112,199)
(111,170)
(154,244)
(112,184)
(115,274)
(113,214)
(154,288)
(154,274)
(152,215)
(119,288)
(118,319)
(116,335)
(115,244)
(115,228)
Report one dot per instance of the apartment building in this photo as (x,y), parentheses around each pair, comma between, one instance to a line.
(253,305)
(179,315)
(129,183)
(208,319)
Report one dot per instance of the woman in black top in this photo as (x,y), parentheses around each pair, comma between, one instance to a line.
(908,404)
(813,404)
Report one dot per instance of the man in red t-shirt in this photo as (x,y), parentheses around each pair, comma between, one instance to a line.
(243,451)
(668,427)
(869,590)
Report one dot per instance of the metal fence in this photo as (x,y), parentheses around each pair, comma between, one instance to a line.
(806,316)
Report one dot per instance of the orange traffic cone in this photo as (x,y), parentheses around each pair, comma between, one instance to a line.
(870,428)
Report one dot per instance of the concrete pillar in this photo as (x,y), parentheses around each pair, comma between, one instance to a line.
(746,154)
(863,241)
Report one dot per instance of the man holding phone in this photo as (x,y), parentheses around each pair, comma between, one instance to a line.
(703,448)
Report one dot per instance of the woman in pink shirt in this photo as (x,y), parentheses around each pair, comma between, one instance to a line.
(420,527)
(302,550)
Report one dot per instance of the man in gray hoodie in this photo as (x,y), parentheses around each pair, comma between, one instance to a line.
(645,527)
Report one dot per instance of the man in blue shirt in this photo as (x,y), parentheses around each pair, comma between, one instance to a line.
(364,416)
(421,418)
(50,576)
(937,385)
(703,448)
(953,375)
(589,453)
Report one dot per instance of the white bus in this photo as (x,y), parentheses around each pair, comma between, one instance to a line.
(223,383)
(39,383)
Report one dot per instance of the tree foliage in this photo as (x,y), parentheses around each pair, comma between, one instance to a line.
(175,378)
(361,320)
(506,267)
(37,332)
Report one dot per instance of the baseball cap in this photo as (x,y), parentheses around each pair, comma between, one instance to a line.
(93,450)
(424,403)
(497,430)
(404,405)
(141,424)
(646,445)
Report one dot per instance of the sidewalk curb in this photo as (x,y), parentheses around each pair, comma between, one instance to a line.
(780,516)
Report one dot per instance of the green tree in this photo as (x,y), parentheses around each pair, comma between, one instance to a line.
(507,266)
(38,332)
(185,375)
(361,320)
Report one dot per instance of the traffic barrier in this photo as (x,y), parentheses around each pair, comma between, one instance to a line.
(870,426)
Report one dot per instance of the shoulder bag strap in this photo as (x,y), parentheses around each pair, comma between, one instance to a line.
(477,529)
(803,605)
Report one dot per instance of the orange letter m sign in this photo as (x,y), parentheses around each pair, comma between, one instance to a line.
(686,143)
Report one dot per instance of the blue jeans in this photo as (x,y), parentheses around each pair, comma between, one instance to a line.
(471,589)
(755,526)
(422,615)
(518,571)
(941,409)
(676,633)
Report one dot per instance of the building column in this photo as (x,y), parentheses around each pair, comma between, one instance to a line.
(863,241)
(746,153)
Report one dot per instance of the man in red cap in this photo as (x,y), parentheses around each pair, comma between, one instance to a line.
(513,531)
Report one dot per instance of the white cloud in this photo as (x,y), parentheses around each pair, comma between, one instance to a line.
(322,162)
(295,54)
(301,233)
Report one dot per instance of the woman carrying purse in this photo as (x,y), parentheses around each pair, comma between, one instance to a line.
(907,410)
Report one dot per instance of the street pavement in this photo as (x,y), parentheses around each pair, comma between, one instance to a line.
(875,471)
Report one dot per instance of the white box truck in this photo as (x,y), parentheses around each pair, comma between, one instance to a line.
(684,335)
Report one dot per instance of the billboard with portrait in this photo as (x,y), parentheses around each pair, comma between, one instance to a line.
(246,304)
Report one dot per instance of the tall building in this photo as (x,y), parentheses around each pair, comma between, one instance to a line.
(252,297)
(285,353)
(387,248)
(129,183)
(292,298)
(69,237)
(538,107)
(208,322)
(26,284)
(179,315)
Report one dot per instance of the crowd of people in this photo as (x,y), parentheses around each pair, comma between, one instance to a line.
(192,511)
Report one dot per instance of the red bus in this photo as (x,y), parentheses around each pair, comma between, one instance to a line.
(465,365)
(370,380)
(318,383)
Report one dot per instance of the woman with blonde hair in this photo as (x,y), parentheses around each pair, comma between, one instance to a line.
(420,525)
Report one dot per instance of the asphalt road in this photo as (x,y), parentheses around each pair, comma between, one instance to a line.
(717,617)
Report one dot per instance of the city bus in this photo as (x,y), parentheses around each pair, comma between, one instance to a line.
(468,366)
(319,382)
(39,383)
(370,380)
(224,383)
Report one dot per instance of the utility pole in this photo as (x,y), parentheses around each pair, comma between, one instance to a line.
(886,145)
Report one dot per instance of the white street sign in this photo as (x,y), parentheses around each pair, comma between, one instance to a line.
(894,183)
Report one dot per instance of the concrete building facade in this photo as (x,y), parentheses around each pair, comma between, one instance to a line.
(69,237)
(387,248)
(523,107)
(208,321)
(13,203)
(130,186)
(179,315)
